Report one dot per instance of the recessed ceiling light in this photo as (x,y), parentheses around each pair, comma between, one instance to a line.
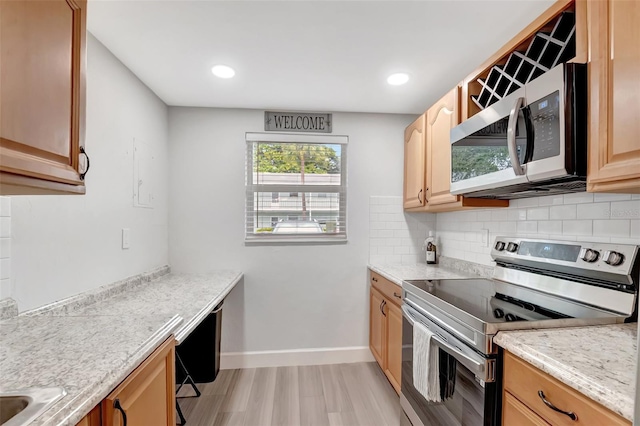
(398,79)
(223,71)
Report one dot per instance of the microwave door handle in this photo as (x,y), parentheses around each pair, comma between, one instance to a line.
(511,137)
(477,367)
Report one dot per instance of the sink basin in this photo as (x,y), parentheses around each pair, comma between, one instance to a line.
(20,407)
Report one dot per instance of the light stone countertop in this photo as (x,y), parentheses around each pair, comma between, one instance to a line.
(598,361)
(397,272)
(89,348)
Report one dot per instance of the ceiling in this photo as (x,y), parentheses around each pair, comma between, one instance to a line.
(306,55)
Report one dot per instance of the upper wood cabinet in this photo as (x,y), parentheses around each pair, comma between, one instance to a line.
(441,117)
(427,161)
(614,96)
(42,96)
(414,163)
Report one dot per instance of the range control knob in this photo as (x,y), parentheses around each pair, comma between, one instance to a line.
(590,255)
(613,258)
(512,247)
(499,246)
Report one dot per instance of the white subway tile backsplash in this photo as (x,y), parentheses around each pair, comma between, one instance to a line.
(499,215)
(594,211)
(612,228)
(527,227)
(5,288)
(611,197)
(508,228)
(578,198)
(5,206)
(5,269)
(397,237)
(577,227)
(551,200)
(540,213)
(551,227)
(5,248)
(625,209)
(5,227)
(562,212)
(526,202)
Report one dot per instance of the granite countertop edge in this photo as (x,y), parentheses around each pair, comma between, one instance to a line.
(614,400)
(97,303)
(76,409)
(191,325)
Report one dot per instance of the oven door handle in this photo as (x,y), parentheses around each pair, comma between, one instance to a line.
(511,137)
(478,368)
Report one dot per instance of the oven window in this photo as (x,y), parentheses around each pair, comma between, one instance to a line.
(485,151)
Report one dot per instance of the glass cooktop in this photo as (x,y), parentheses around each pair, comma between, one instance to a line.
(494,302)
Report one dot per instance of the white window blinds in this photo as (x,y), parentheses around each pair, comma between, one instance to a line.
(296,188)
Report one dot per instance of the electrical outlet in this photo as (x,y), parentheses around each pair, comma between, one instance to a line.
(126,238)
(485,237)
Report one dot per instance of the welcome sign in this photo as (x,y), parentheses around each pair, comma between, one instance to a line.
(306,122)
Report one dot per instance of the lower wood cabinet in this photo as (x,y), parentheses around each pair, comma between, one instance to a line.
(146,397)
(385,327)
(529,394)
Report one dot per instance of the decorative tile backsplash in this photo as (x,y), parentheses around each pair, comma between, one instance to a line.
(396,236)
(582,216)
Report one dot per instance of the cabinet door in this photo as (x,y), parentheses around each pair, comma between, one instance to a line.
(146,396)
(414,164)
(42,63)
(441,117)
(377,327)
(94,418)
(394,344)
(614,90)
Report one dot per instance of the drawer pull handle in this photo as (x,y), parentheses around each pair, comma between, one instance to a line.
(399,296)
(571,414)
(117,406)
(374,279)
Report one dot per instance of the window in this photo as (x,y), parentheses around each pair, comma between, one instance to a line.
(299,179)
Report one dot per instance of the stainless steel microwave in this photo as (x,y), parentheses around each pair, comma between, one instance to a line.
(530,143)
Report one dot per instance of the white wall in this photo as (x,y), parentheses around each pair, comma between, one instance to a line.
(574,217)
(66,244)
(293,297)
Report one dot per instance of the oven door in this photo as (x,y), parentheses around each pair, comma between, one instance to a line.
(475,396)
(489,149)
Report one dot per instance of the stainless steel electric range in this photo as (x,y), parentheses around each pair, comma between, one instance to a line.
(535,284)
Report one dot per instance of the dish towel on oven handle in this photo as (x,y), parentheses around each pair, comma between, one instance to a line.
(426,368)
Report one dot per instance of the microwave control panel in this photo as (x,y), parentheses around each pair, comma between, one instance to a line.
(545,116)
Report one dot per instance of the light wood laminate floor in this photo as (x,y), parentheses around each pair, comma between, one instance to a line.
(319,395)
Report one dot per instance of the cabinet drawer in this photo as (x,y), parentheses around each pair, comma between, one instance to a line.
(524,381)
(391,291)
(515,412)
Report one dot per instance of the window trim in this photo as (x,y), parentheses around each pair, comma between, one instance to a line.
(250,188)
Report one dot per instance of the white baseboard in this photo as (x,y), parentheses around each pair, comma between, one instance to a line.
(319,356)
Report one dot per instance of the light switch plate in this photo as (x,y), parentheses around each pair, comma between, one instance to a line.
(126,238)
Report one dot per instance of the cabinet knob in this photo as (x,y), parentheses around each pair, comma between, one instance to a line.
(117,406)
